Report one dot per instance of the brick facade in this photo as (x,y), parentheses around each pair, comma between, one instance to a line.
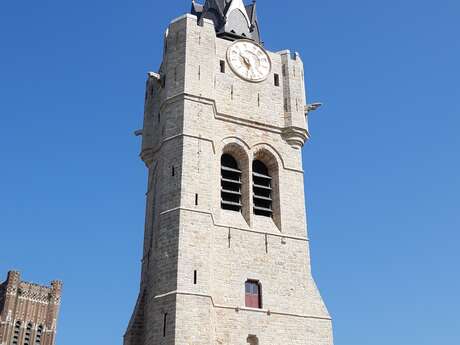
(197,256)
(28,312)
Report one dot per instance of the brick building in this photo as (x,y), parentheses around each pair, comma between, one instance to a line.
(28,312)
(226,253)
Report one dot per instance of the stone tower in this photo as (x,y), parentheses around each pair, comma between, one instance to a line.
(28,312)
(226,253)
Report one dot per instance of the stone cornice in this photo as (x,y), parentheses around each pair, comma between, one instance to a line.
(227,117)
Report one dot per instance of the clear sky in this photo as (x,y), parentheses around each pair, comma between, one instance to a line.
(382,169)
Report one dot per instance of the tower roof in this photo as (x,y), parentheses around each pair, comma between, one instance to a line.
(232,18)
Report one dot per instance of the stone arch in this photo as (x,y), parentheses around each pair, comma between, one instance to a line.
(236,149)
(237,141)
(271,150)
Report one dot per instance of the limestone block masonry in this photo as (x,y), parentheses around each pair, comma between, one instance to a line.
(28,312)
(198,256)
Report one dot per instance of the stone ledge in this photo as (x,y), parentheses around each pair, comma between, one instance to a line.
(238,308)
(282,236)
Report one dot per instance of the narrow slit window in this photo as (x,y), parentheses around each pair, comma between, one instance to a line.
(262,189)
(253,294)
(277,80)
(177,38)
(173,171)
(165,319)
(196,199)
(230,184)
(195,277)
(222,66)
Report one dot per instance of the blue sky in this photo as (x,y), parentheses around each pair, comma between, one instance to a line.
(382,169)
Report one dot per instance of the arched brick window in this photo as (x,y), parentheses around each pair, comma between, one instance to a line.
(28,334)
(16,333)
(253,294)
(230,184)
(38,336)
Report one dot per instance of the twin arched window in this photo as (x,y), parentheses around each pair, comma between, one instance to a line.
(231,186)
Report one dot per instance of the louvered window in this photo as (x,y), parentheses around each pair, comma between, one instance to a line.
(28,334)
(16,333)
(38,336)
(230,184)
(262,189)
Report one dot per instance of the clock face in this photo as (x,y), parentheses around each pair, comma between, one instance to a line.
(249,61)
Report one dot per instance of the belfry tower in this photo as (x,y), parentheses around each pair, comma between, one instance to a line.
(226,253)
(28,312)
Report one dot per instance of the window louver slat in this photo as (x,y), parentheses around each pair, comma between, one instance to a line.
(261,176)
(224,168)
(231,181)
(231,192)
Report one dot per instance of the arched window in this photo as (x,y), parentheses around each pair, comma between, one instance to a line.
(16,333)
(253,294)
(262,188)
(230,184)
(38,336)
(28,334)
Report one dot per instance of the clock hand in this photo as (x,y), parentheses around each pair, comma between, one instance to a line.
(246,61)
